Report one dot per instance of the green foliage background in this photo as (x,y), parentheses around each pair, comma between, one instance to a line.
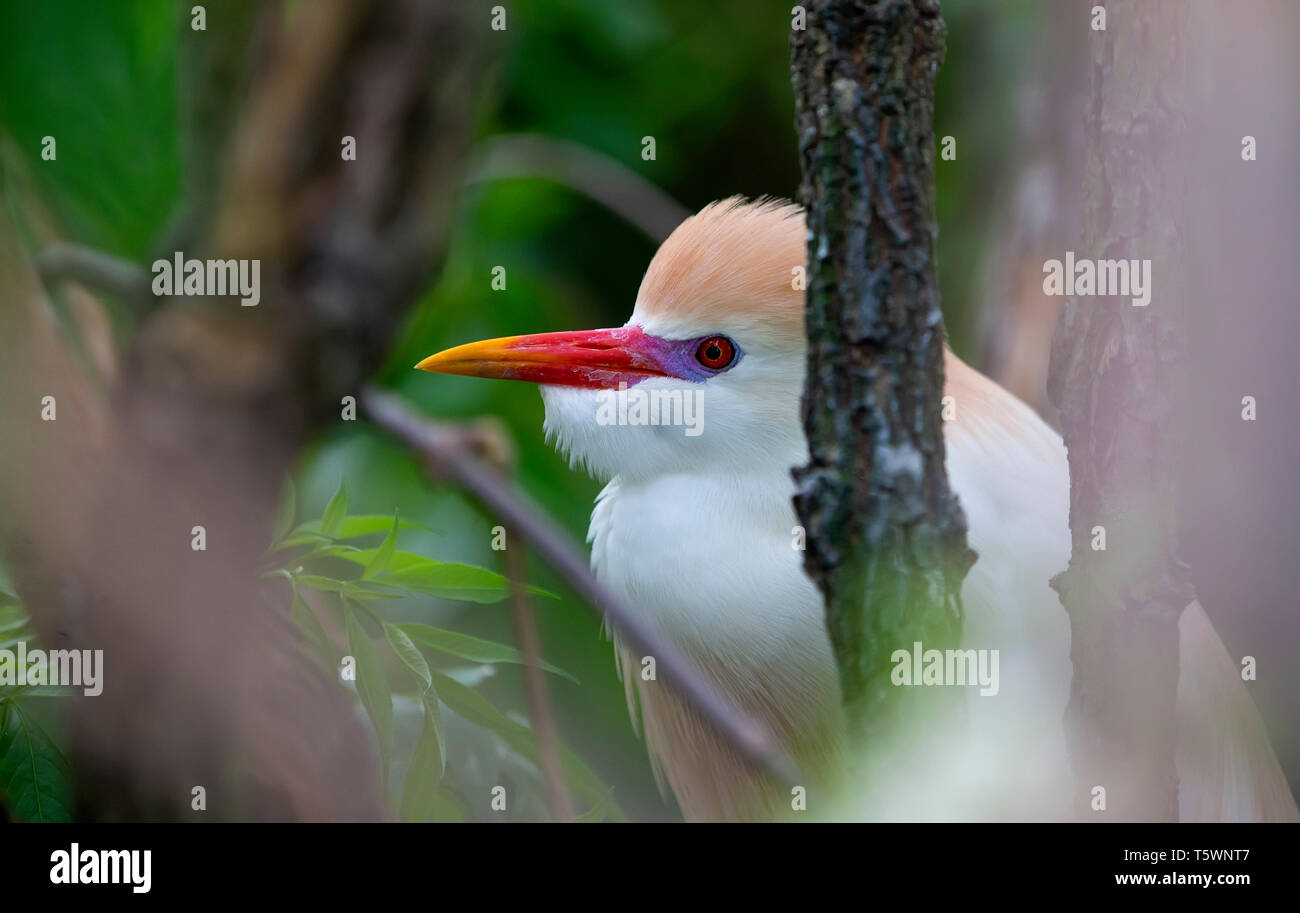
(710,81)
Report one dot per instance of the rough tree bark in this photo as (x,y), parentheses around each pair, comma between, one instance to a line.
(1115,369)
(886,537)
(205,683)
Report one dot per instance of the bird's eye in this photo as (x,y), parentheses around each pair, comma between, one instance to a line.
(716,352)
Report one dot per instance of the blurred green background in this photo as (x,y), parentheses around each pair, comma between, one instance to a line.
(710,82)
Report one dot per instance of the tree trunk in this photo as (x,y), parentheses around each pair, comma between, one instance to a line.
(886,537)
(1115,372)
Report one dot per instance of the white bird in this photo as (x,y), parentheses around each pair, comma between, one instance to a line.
(695,531)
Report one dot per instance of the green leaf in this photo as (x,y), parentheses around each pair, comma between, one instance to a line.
(448,808)
(472,648)
(285,513)
(312,629)
(332,550)
(354,527)
(408,653)
(46,691)
(475,708)
(35,778)
(12,618)
(449,580)
(416,572)
(420,791)
(399,560)
(335,511)
(452,580)
(433,716)
(446,579)
(317,582)
(383,556)
(368,590)
(597,812)
(297,539)
(372,684)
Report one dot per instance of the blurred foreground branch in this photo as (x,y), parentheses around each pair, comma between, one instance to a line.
(451,454)
(137,519)
(1115,370)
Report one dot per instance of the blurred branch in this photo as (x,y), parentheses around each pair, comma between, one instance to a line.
(96,270)
(1112,372)
(603,179)
(212,72)
(85,312)
(493,444)
(450,453)
(206,684)
(539,704)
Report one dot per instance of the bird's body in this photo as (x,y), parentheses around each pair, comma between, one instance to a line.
(698,532)
(733,595)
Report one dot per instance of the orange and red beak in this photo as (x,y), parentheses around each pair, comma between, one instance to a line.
(597,359)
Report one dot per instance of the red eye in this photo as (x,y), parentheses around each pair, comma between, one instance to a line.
(716,352)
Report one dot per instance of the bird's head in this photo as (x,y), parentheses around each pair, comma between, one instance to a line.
(707,373)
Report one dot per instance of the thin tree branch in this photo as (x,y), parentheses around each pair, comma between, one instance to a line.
(447,455)
(96,270)
(600,177)
(498,450)
(539,703)
(604,179)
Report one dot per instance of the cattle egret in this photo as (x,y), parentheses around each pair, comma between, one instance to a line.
(690,411)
